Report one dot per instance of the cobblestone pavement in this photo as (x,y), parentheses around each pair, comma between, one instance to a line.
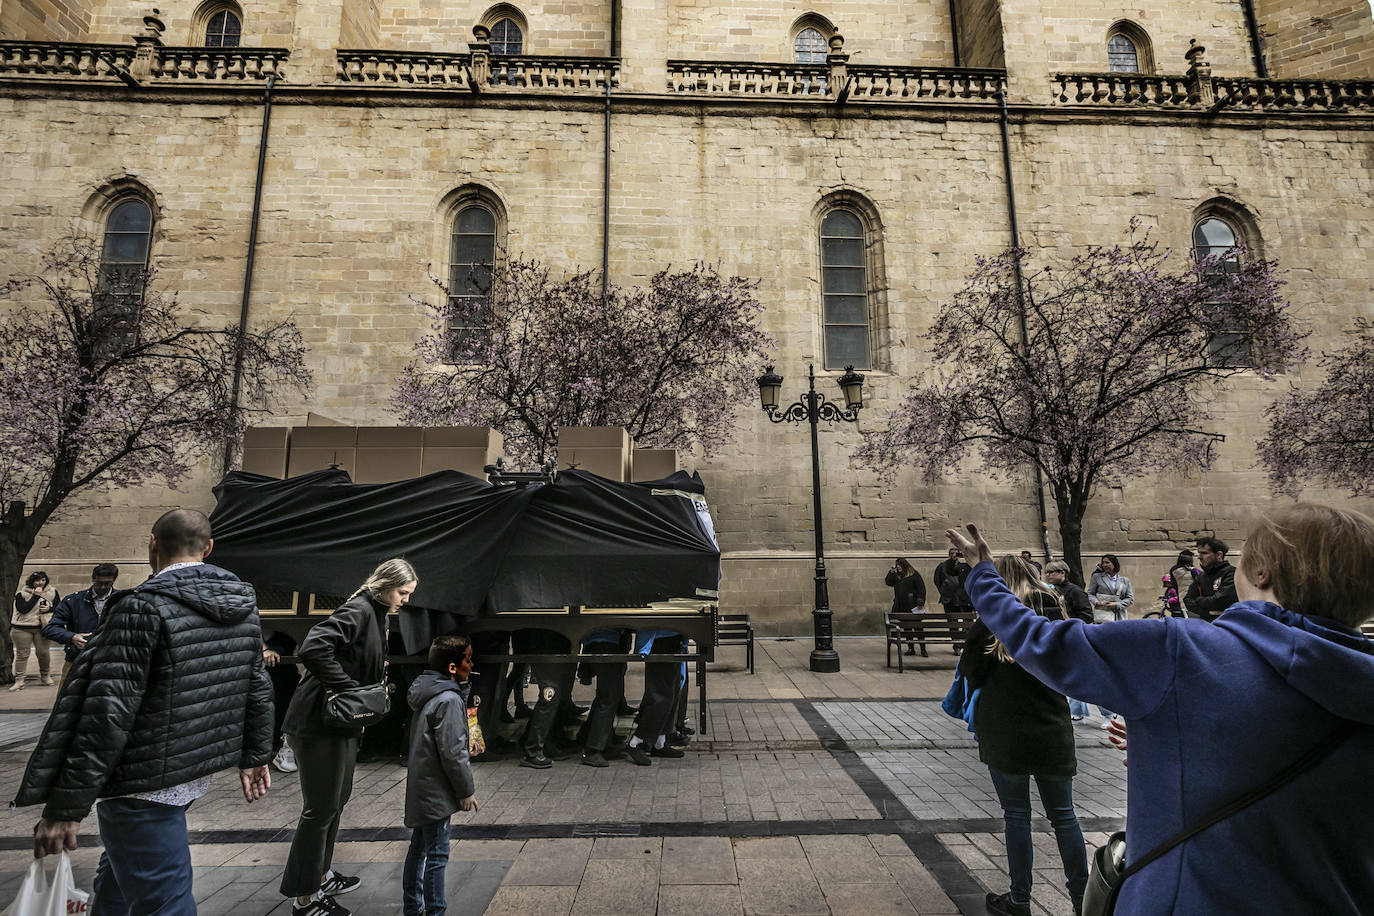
(849,793)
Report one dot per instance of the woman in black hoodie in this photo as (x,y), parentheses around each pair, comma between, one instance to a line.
(1024,731)
(344,652)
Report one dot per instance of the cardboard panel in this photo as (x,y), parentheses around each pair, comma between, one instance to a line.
(305,460)
(594,437)
(386,465)
(611,463)
(653,463)
(390,437)
(268,461)
(323,437)
(266,437)
(468,460)
(461,437)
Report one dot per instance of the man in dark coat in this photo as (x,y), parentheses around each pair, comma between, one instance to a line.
(949,582)
(77,617)
(1215,590)
(170,691)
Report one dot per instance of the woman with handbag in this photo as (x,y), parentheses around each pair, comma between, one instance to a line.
(1251,736)
(33,608)
(1024,731)
(343,690)
(908,593)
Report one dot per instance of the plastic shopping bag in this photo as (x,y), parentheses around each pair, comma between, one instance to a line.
(38,897)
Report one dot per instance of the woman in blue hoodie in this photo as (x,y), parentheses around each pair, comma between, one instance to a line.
(1215,710)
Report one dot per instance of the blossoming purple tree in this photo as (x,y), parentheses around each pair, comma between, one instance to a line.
(105,382)
(1094,372)
(671,362)
(1327,433)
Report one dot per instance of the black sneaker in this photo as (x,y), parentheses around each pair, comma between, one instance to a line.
(625,709)
(678,739)
(536,763)
(320,906)
(336,884)
(639,756)
(687,730)
(666,751)
(1002,905)
(595,759)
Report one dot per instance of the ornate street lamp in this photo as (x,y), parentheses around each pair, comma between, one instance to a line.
(813,407)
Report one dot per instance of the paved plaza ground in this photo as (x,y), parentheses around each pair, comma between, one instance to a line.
(846,793)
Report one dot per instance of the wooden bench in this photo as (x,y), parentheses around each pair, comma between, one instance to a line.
(905,630)
(735,630)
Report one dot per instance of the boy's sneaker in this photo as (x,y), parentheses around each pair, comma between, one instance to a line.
(595,759)
(639,756)
(320,905)
(666,751)
(335,883)
(285,760)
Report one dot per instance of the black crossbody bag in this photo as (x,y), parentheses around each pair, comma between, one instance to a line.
(1107,875)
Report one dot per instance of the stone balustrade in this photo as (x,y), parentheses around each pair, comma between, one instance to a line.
(138,64)
(457,71)
(1270,95)
(720,77)
(403,68)
(218,63)
(879,83)
(63,59)
(555,74)
(1126,90)
(1121,89)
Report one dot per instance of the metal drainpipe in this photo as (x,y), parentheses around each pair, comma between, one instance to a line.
(1020,299)
(606,162)
(1256,45)
(248,262)
(954,29)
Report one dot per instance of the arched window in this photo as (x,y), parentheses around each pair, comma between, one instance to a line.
(223,30)
(844,289)
(1122,56)
(1128,49)
(472,257)
(1217,237)
(123,272)
(810,46)
(507,38)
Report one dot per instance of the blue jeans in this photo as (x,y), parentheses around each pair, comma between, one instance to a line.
(146,865)
(1056,792)
(422,879)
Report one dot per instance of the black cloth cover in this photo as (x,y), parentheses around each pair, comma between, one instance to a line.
(479,549)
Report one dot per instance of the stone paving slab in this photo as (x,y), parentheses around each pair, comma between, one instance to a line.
(808,793)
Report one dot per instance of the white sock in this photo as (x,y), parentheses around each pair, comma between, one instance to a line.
(658,745)
(636,741)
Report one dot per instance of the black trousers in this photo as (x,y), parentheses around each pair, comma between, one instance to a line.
(610,693)
(326,774)
(657,708)
(553,678)
(490,686)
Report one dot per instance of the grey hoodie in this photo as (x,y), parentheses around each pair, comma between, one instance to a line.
(438,776)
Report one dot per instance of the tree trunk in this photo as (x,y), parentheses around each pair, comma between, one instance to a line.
(17,533)
(1070,507)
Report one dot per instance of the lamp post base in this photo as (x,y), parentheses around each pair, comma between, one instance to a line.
(825,661)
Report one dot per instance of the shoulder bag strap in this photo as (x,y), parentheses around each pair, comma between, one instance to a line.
(1285,776)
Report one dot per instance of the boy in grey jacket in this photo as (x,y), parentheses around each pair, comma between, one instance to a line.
(438,778)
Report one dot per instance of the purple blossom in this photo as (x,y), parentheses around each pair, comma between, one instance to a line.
(1328,432)
(104,382)
(1110,381)
(671,362)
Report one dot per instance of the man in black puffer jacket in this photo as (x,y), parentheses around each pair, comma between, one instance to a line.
(169,692)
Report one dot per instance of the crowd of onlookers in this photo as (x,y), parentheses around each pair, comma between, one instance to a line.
(1251,683)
